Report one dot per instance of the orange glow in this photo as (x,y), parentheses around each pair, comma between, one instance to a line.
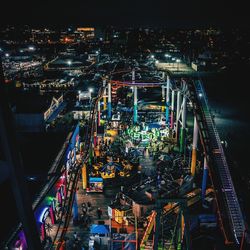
(86,29)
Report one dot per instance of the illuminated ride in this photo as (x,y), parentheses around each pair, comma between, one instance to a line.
(112,169)
(173,209)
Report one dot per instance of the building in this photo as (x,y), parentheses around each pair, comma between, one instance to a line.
(33,113)
(86,32)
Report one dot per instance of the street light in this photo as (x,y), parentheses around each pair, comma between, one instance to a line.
(90,91)
(168,58)
(79,95)
(7,54)
(178,62)
(156,61)
(69,62)
(31,48)
(152,56)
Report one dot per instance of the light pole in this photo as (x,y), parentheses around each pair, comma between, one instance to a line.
(69,62)
(90,91)
(168,58)
(173,60)
(79,96)
(178,63)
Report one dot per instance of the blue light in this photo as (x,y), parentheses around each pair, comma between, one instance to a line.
(42,214)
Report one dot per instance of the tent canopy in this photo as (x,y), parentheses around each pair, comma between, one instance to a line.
(99,229)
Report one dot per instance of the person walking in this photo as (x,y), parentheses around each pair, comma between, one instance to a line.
(84,208)
(99,213)
(75,236)
(89,206)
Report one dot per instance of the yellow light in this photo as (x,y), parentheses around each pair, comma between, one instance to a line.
(86,29)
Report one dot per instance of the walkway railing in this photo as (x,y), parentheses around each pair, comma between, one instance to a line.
(218,165)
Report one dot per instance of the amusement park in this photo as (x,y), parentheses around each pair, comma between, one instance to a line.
(146,170)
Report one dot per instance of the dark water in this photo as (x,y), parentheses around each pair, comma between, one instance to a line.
(229,101)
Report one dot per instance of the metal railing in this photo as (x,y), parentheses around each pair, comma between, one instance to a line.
(221,167)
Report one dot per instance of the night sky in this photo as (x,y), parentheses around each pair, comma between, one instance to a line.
(127,12)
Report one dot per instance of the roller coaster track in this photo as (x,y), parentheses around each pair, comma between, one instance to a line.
(138,84)
(229,211)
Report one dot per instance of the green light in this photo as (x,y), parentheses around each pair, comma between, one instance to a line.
(49,199)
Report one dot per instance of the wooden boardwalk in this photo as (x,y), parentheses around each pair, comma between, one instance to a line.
(101,200)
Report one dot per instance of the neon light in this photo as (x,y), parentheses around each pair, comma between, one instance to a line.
(43,231)
(43,214)
(61,191)
(54,204)
(51,212)
(49,200)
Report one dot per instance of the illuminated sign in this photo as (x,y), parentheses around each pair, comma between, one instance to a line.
(84,29)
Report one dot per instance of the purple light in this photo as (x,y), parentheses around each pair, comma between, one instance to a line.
(21,243)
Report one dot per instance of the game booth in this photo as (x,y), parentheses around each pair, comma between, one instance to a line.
(95,185)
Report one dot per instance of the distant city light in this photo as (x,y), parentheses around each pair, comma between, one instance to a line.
(152,56)
(97,52)
(200,94)
(91,90)
(1,49)
(156,61)
(167,55)
(101,39)
(21,51)
(31,48)
(7,54)
(69,62)
(79,92)
(173,59)
(178,60)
